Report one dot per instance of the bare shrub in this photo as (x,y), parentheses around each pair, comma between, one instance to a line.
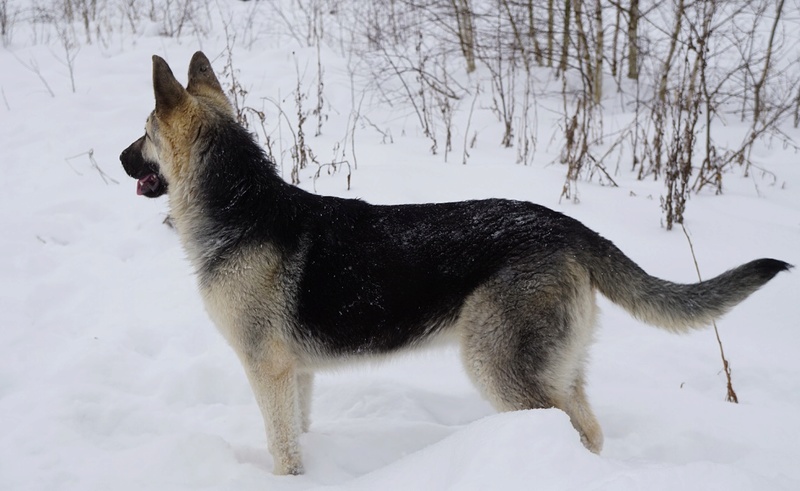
(8,17)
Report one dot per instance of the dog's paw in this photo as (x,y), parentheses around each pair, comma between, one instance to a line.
(288,469)
(594,444)
(289,465)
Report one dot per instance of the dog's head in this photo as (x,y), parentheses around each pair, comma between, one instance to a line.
(162,157)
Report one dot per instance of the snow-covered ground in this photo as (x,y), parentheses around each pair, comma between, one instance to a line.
(113,377)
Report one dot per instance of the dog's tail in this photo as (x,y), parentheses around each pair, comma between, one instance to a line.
(673,306)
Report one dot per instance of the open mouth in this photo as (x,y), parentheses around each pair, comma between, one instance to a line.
(148,184)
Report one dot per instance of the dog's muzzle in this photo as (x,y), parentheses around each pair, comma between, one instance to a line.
(150,182)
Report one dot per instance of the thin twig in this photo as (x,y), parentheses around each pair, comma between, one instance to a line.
(465,155)
(332,168)
(34,67)
(4,98)
(731,395)
(105,177)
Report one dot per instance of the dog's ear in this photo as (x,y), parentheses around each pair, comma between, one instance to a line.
(169,93)
(201,75)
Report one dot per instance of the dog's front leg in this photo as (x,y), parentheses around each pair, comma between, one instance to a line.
(274,381)
(305,383)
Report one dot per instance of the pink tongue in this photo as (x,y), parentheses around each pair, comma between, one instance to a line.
(147,183)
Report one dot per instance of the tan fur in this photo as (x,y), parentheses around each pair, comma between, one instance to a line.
(176,131)
(163,145)
(570,367)
(279,371)
(524,331)
(305,382)
(247,287)
(487,327)
(273,376)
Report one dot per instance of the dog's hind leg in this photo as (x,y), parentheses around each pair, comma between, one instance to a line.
(580,413)
(274,379)
(524,345)
(569,365)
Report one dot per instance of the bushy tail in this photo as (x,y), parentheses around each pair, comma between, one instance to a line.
(672,306)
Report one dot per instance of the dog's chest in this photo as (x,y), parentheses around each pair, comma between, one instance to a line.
(242,295)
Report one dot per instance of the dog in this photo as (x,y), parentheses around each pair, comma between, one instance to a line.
(297,282)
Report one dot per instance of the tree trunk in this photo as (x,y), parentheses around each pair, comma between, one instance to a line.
(537,50)
(615,41)
(550,34)
(633,40)
(562,67)
(466,31)
(598,53)
(757,105)
(584,56)
(660,106)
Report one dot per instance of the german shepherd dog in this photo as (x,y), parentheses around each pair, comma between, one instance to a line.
(297,282)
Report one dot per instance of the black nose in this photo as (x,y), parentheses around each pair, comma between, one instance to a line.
(132,160)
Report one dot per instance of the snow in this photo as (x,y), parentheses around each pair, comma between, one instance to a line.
(113,377)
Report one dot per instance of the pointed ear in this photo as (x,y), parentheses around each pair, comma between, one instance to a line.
(169,92)
(201,75)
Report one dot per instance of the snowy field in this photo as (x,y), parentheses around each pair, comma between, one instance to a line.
(113,377)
